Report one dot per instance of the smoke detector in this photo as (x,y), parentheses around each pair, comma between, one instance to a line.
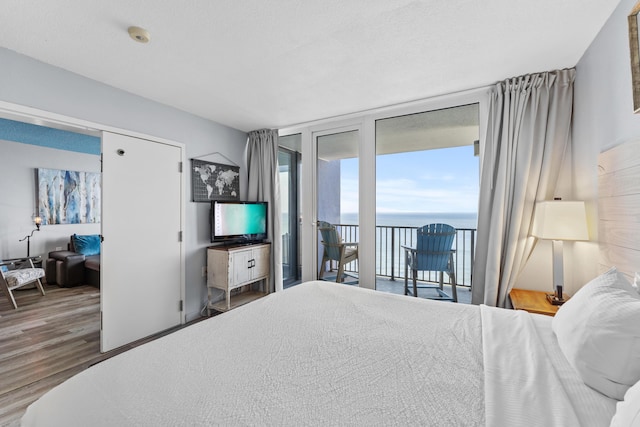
(139,34)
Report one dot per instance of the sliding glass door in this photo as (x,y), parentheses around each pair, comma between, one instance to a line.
(289,164)
(426,173)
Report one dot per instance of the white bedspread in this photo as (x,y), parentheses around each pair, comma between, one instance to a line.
(316,354)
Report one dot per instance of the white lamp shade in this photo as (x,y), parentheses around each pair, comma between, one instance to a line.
(560,220)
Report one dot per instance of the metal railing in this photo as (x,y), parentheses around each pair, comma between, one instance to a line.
(390,256)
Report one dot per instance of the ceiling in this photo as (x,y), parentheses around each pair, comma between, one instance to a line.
(253,64)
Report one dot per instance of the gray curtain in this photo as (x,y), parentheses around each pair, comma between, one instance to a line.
(262,164)
(528,135)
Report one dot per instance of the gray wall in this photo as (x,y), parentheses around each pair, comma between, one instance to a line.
(32,83)
(603,117)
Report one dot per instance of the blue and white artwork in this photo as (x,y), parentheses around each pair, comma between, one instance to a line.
(68,197)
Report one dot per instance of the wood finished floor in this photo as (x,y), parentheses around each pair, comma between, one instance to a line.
(47,340)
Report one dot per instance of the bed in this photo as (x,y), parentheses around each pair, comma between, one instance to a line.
(323,353)
(329,354)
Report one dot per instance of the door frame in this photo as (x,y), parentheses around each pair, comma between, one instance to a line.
(294,214)
(36,116)
(366,122)
(311,197)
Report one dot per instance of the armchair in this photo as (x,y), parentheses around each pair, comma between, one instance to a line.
(434,252)
(335,249)
(13,276)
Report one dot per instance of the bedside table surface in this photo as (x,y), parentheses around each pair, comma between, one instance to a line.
(532,301)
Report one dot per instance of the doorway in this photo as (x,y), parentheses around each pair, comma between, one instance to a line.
(337,205)
(59,235)
(427,172)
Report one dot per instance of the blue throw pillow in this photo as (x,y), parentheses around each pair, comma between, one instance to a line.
(88,244)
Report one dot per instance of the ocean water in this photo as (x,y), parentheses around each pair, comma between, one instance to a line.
(418,219)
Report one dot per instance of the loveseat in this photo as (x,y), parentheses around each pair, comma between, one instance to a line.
(79,264)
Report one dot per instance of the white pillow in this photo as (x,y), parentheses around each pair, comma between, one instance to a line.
(598,332)
(628,411)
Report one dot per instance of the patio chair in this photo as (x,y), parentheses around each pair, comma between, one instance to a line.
(18,277)
(335,249)
(433,253)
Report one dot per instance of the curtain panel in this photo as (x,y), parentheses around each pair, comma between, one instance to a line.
(263,185)
(528,137)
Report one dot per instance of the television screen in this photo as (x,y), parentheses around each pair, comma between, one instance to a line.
(238,221)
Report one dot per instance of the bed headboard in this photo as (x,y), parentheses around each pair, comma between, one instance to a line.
(619,208)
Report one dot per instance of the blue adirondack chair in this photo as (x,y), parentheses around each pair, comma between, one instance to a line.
(433,253)
(335,249)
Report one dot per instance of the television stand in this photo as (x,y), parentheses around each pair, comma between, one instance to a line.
(233,267)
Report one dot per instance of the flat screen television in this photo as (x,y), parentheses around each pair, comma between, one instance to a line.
(238,222)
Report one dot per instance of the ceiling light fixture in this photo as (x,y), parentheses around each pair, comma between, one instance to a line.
(139,34)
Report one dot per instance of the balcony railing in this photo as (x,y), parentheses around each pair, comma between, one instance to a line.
(390,258)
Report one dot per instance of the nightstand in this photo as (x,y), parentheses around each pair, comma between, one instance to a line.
(533,302)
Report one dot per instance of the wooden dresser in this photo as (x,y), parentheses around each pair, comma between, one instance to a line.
(232,267)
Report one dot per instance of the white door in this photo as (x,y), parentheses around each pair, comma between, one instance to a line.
(141,261)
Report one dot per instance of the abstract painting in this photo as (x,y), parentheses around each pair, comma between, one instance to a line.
(68,197)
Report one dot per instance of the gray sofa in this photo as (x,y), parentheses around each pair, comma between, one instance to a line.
(72,267)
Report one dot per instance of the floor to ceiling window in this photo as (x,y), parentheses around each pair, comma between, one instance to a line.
(426,173)
(365,168)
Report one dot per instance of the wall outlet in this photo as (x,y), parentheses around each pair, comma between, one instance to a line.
(204,271)
(58,248)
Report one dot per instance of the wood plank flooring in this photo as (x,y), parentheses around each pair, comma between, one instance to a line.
(47,340)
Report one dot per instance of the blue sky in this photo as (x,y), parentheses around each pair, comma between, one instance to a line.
(442,180)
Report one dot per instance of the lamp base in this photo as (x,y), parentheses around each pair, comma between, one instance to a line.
(554,300)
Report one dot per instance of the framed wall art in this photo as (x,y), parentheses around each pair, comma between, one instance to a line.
(68,197)
(214,181)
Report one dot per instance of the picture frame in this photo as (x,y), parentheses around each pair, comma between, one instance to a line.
(214,181)
(634,50)
(68,197)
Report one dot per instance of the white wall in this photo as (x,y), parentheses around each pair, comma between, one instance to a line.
(31,83)
(603,117)
(18,197)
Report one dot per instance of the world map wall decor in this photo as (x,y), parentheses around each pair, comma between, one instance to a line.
(214,181)
(68,197)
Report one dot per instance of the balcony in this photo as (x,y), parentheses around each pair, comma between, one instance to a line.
(390,260)
(390,255)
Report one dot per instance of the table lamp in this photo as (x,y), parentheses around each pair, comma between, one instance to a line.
(559,220)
